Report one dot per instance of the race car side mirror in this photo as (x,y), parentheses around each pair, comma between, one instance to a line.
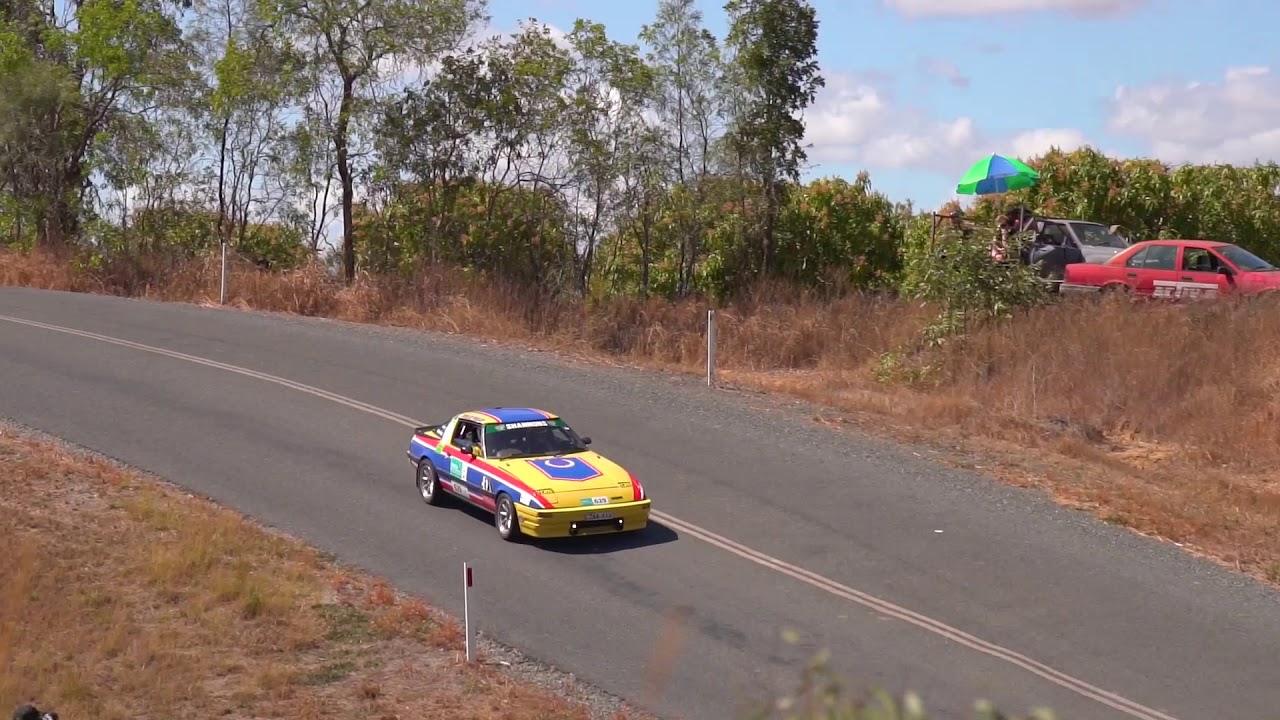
(1224,270)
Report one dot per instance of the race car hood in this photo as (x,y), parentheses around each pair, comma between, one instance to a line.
(576,480)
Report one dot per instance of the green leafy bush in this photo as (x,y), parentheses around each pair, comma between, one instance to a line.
(823,694)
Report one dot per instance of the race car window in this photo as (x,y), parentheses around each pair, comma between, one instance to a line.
(466,430)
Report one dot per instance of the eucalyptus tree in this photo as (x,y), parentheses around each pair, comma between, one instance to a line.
(686,60)
(610,87)
(71,74)
(253,84)
(773,76)
(486,134)
(357,49)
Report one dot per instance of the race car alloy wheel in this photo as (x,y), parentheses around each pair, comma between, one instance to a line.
(504,516)
(428,483)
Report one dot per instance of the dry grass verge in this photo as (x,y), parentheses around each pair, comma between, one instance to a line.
(124,598)
(1163,418)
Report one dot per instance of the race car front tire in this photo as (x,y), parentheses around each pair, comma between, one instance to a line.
(428,482)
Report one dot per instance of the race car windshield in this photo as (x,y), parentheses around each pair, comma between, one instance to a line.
(532,439)
(1244,259)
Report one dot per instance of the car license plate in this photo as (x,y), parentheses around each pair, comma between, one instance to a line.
(600,516)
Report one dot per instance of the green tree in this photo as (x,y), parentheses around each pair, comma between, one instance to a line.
(253,83)
(610,86)
(493,122)
(35,138)
(836,233)
(74,76)
(356,48)
(685,57)
(775,72)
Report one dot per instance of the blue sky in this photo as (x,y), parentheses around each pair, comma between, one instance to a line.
(919,89)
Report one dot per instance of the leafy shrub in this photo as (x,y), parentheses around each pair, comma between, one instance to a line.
(951,268)
(821,694)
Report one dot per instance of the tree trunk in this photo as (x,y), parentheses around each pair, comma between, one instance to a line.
(223,232)
(770,225)
(340,141)
(62,223)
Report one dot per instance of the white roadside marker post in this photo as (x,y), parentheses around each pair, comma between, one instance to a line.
(466,610)
(222,285)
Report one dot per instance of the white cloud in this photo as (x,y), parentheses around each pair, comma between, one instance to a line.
(1236,120)
(856,121)
(1031,143)
(964,8)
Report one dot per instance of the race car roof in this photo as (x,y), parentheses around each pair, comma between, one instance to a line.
(517,414)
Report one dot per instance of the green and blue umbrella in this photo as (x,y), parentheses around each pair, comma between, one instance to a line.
(997,174)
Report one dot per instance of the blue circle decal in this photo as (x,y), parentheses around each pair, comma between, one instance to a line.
(567,469)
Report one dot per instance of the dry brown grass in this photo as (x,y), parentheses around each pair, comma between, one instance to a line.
(124,598)
(1162,418)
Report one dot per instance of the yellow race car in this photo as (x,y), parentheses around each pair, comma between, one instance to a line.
(531,470)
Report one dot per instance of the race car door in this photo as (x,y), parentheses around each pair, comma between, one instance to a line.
(466,478)
(1153,271)
(465,434)
(1199,278)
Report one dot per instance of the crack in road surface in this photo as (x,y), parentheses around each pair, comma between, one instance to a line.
(879,605)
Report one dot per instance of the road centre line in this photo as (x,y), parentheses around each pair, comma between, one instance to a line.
(832,587)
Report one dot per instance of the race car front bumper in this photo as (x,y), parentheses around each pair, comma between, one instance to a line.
(572,522)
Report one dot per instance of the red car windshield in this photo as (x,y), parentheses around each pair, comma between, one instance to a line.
(1245,260)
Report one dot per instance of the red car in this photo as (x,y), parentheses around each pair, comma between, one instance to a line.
(1187,269)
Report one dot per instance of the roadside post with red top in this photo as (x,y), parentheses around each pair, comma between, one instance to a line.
(466,610)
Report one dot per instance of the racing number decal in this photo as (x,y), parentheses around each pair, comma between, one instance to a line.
(484,484)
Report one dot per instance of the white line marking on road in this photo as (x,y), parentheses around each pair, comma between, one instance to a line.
(885,607)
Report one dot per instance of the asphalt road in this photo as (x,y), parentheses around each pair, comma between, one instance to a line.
(1133,617)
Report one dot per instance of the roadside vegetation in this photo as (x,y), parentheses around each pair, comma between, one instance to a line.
(125,597)
(581,192)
